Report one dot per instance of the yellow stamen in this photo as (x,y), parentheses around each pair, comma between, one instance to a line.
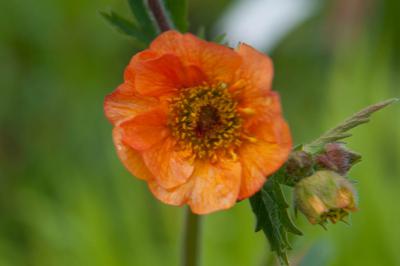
(205,120)
(247,111)
(233,155)
(250,139)
(241,83)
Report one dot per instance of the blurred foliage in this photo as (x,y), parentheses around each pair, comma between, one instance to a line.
(65,199)
(178,13)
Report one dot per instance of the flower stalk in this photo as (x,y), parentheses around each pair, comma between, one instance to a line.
(191,239)
(159,14)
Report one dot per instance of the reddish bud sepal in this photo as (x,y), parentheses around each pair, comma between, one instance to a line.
(300,164)
(337,157)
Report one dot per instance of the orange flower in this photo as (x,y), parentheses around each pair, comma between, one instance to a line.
(198,121)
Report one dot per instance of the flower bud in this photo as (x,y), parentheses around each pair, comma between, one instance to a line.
(337,158)
(299,165)
(325,196)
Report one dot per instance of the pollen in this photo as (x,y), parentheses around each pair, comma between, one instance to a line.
(205,121)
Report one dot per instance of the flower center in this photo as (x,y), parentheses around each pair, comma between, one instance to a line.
(204,120)
(208,119)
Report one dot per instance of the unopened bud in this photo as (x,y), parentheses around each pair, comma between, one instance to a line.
(337,158)
(325,196)
(299,165)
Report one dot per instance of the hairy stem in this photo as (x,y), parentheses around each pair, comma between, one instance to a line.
(159,15)
(191,239)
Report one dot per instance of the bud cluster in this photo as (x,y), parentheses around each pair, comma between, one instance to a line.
(321,190)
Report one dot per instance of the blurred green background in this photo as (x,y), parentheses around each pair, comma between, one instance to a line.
(65,199)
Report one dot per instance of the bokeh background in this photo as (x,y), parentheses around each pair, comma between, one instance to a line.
(65,199)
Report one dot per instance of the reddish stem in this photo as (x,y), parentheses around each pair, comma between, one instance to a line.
(159,15)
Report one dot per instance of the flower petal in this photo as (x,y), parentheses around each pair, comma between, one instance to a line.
(212,187)
(216,186)
(143,56)
(266,109)
(176,196)
(265,156)
(131,159)
(159,76)
(218,62)
(124,104)
(193,76)
(145,130)
(257,68)
(170,167)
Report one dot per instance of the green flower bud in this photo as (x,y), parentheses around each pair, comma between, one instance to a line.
(325,196)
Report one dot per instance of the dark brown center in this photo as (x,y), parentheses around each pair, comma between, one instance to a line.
(208,119)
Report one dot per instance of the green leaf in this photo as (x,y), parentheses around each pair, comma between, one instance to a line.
(141,13)
(270,208)
(340,132)
(220,38)
(258,208)
(178,13)
(201,32)
(124,26)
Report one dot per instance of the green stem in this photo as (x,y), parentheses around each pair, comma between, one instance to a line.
(191,239)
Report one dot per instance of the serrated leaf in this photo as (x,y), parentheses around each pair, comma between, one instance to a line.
(284,215)
(178,13)
(340,132)
(258,207)
(141,13)
(270,208)
(273,188)
(268,221)
(125,26)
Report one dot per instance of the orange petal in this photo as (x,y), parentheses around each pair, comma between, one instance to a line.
(156,74)
(170,167)
(266,107)
(159,76)
(212,187)
(216,186)
(193,76)
(145,130)
(218,62)
(124,104)
(131,159)
(273,129)
(263,157)
(176,196)
(143,56)
(257,68)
